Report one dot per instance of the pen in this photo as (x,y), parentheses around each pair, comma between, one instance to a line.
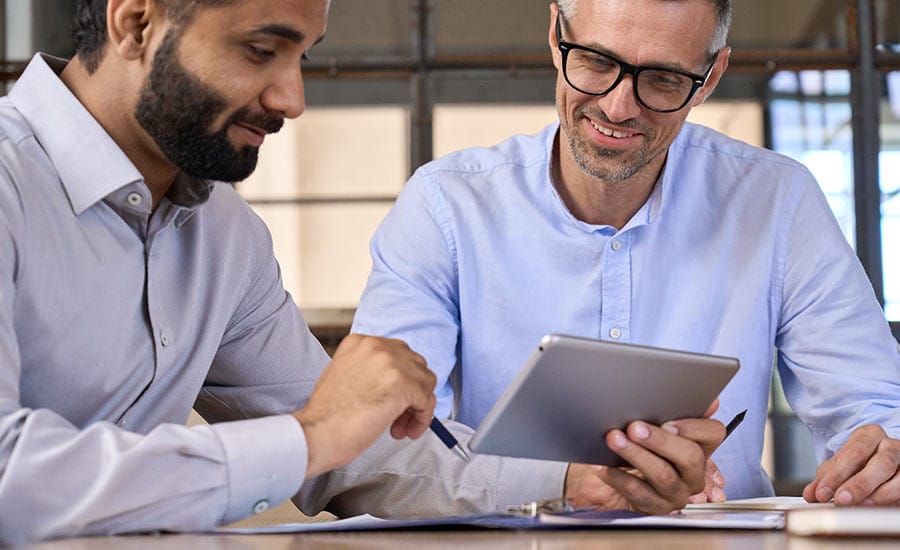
(735,422)
(444,434)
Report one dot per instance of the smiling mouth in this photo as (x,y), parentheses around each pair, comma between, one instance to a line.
(618,134)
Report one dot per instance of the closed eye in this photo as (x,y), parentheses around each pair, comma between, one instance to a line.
(260,54)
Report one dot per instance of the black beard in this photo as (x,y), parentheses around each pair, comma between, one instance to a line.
(177,110)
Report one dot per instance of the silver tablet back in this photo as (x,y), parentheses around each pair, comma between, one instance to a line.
(574,390)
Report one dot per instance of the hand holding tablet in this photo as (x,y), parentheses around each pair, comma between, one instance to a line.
(573,390)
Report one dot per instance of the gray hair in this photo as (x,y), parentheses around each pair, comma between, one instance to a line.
(568,8)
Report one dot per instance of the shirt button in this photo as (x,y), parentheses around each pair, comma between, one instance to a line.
(134,199)
(261,506)
(164,340)
(615,334)
(616,245)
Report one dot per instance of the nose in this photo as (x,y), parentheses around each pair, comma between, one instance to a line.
(621,103)
(285,94)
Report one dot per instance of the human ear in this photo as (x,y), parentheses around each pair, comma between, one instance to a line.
(129,24)
(554,46)
(719,68)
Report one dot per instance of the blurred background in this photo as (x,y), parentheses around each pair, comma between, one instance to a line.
(397,83)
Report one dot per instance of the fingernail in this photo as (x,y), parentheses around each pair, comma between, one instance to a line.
(671,428)
(640,431)
(717,495)
(824,494)
(844,498)
(719,479)
(868,502)
(619,441)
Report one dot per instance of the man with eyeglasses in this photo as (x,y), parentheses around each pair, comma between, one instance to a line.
(624,222)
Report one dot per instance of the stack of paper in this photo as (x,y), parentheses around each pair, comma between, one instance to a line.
(861,521)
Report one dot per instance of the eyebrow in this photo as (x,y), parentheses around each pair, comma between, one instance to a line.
(281,31)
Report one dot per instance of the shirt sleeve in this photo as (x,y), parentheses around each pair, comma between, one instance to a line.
(412,292)
(839,363)
(423,478)
(58,479)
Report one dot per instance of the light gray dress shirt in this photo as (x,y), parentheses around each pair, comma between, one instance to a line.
(115,321)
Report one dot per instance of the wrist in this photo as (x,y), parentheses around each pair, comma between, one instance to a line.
(319,456)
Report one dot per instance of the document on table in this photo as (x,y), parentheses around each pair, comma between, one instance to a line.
(768,504)
(585,519)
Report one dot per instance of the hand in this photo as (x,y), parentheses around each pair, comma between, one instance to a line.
(370,384)
(713,490)
(866,471)
(669,465)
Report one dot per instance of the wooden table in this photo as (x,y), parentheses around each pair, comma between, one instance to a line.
(481,539)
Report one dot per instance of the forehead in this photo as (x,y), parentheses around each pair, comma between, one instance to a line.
(646,32)
(307,17)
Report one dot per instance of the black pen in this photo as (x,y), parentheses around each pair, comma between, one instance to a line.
(442,432)
(735,422)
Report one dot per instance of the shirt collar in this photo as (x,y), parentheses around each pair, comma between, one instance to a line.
(90,164)
(646,214)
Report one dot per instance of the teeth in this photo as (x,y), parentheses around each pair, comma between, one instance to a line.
(612,133)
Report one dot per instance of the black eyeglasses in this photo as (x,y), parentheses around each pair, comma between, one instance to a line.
(596,73)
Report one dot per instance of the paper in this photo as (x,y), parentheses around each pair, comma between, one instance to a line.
(371,523)
(590,519)
(770,504)
(680,520)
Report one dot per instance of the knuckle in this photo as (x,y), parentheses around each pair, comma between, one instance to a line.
(695,456)
(670,482)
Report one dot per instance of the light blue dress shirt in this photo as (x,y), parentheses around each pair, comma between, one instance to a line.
(735,253)
(113,319)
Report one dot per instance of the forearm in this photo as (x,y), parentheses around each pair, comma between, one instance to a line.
(103,480)
(423,478)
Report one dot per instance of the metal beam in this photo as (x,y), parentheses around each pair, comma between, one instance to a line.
(865,99)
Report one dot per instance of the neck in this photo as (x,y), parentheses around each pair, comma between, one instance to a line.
(110,100)
(597,201)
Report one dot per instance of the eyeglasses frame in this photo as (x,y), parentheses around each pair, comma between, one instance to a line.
(697,81)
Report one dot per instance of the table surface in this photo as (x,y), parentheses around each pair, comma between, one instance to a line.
(477,539)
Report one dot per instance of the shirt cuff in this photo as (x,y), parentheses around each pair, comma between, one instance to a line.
(266,460)
(523,481)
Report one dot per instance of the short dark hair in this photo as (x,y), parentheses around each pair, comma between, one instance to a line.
(89,26)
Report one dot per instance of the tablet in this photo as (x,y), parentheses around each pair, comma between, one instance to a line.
(574,390)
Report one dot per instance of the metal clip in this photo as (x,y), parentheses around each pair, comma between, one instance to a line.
(534,509)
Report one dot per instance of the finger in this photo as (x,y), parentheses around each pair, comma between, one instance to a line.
(877,471)
(685,444)
(420,419)
(712,491)
(639,493)
(706,432)
(850,459)
(711,410)
(714,475)
(653,452)
(400,426)
(886,495)
(699,498)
